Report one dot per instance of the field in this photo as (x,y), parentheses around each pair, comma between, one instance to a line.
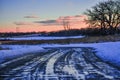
(87,39)
(77,58)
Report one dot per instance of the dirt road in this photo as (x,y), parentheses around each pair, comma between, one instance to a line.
(59,64)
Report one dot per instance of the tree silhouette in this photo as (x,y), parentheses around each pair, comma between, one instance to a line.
(105,15)
(66,24)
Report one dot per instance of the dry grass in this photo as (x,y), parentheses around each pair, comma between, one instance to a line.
(96,39)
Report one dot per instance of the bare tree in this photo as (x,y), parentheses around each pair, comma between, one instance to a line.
(105,15)
(17,29)
(66,24)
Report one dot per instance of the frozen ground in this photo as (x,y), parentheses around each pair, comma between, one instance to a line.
(65,63)
(109,51)
(17,50)
(40,38)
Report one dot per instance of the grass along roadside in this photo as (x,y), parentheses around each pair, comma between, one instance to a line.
(87,39)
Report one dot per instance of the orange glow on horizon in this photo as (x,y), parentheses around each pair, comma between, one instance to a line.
(27,28)
(76,22)
(39,29)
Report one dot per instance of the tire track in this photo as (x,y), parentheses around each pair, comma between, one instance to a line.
(27,70)
(50,67)
(61,64)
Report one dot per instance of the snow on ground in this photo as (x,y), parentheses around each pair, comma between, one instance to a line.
(51,62)
(41,38)
(109,51)
(17,50)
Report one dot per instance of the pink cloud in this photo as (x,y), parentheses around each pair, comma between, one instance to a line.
(72,19)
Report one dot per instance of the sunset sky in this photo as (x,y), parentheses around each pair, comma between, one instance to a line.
(42,15)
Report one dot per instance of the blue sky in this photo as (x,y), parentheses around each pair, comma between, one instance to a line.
(15,10)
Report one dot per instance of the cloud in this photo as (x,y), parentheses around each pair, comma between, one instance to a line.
(48,22)
(22,23)
(78,15)
(73,18)
(31,16)
(77,19)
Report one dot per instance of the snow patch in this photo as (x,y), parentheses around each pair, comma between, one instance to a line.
(41,38)
(51,62)
(17,50)
(108,51)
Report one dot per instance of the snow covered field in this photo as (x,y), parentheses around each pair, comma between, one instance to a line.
(17,50)
(41,38)
(60,62)
(108,51)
